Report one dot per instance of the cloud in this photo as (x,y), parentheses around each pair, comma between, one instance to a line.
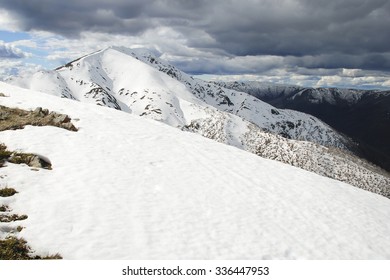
(254,27)
(300,28)
(70,17)
(8,22)
(10,67)
(305,39)
(367,61)
(8,51)
(266,26)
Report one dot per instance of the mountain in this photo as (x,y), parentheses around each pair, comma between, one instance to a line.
(126,187)
(139,83)
(363,115)
(136,81)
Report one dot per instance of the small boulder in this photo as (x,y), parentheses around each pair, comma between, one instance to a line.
(29,159)
(37,162)
(69,126)
(60,118)
(38,112)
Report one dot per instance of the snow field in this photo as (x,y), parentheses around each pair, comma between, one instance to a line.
(123,187)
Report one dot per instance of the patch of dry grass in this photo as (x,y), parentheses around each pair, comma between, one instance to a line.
(12,218)
(4,208)
(5,192)
(13,248)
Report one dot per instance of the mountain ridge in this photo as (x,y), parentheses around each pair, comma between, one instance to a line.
(363,115)
(101,90)
(141,84)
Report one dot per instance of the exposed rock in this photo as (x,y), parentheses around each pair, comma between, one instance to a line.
(68,126)
(60,119)
(3,116)
(38,112)
(30,159)
(16,119)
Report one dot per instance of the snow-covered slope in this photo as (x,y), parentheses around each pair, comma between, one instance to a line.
(286,123)
(124,187)
(329,162)
(134,80)
(363,115)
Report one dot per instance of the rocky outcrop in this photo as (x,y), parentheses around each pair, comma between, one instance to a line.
(31,160)
(12,118)
(55,119)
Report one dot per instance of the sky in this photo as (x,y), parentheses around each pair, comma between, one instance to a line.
(316,43)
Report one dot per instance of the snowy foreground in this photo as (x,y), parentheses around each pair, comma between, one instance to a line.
(124,187)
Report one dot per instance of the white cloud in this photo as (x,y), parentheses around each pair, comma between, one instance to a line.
(25,43)
(9,21)
(9,51)
(11,67)
(351,72)
(328,81)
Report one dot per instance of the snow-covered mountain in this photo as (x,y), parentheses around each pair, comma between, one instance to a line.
(363,115)
(136,82)
(125,187)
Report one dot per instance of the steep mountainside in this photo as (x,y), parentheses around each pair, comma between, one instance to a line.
(361,114)
(138,83)
(125,187)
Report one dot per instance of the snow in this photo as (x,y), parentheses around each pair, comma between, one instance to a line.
(125,187)
(136,81)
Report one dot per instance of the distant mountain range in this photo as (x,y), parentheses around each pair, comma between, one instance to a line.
(140,83)
(363,115)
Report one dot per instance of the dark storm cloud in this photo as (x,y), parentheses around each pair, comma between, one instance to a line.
(71,17)
(308,33)
(304,27)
